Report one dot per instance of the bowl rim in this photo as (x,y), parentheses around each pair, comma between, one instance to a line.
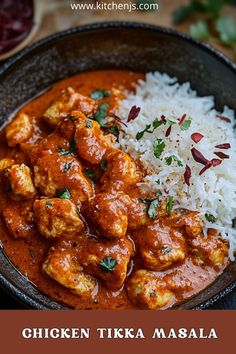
(6,284)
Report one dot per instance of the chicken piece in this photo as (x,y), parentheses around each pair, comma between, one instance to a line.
(19,130)
(190,220)
(120,172)
(137,215)
(160,246)
(19,220)
(4,163)
(91,143)
(147,290)
(68,101)
(19,184)
(61,141)
(61,265)
(106,260)
(109,212)
(53,173)
(57,218)
(211,250)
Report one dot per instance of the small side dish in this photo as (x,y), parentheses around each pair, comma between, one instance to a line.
(119,191)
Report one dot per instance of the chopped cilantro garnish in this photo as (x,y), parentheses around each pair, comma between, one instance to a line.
(88,123)
(66,167)
(155,124)
(98,94)
(63,193)
(103,165)
(166,249)
(151,209)
(114,130)
(73,118)
(186,124)
(152,212)
(171,122)
(172,158)
(108,264)
(64,152)
(169,205)
(152,293)
(210,217)
(158,147)
(90,173)
(48,204)
(101,114)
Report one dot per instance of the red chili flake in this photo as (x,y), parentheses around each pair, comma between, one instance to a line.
(163,119)
(197,155)
(182,119)
(225,119)
(187,175)
(206,167)
(168,131)
(221,155)
(223,146)
(196,137)
(119,119)
(216,162)
(134,112)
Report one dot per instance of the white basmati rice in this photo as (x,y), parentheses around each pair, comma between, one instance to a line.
(213,192)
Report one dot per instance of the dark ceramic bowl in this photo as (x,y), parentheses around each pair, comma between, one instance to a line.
(131,46)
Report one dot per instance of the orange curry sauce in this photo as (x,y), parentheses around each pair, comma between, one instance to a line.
(28,253)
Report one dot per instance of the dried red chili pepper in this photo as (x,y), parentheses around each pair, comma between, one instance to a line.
(133,114)
(187,175)
(223,146)
(196,137)
(198,157)
(221,155)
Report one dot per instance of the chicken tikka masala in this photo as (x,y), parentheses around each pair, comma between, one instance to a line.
(74,220)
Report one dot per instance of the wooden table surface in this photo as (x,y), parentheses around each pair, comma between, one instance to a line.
(56,15)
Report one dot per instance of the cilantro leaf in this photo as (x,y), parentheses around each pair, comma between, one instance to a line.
(98,94)
(199,30)
(152,212)
(139,135)
(73,118)
(101,114)
(186,124)
(170,159)
(151,209)
(103,165)
(169,205)
(158,147)
(210,217)
(66,167)
(90,173)
(48,204)
(165,249)
(113,129)
(156,123)
(63,193)
(88,123)
(108,264)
